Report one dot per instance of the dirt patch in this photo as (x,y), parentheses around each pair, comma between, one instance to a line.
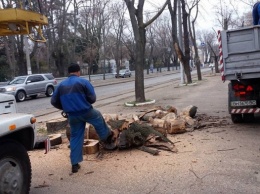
(217,157)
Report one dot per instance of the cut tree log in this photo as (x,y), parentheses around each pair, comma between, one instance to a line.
(190,121)
(189,111)
(129,117)
(56,125)
(118,124)
(176,126)
(159,123)
(90,146)
(172,109)
(108,117)
(161,130)
(160,113)
(90,132)
(55,139)
(149,111)
(170,115)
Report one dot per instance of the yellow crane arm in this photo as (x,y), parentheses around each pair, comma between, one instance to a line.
(14,21)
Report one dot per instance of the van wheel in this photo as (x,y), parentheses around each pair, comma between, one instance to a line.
(49,91)
(20,96)
(15,168)
(236,118)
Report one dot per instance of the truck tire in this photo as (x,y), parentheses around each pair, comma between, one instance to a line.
(15,168)
(237,118)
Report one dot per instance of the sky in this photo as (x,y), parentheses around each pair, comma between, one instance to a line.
(207,18)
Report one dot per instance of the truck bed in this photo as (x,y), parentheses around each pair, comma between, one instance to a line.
(241,53)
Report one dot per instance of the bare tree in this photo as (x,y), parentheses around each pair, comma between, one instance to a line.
(118,26)
(139,29)
(184,56)
(193,37)
(210,40)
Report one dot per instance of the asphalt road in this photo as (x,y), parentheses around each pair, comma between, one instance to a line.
(106,90)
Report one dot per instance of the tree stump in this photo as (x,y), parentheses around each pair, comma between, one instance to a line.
(56,125)
(90,132)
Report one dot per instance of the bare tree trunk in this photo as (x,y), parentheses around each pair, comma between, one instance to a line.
(215,58)
(9,50)
(139,67)
(186,58)
(136,17)
(193,38)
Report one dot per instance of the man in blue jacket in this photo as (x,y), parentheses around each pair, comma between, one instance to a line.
(256,13)
(75,97)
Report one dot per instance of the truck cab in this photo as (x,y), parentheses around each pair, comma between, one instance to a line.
(17,136)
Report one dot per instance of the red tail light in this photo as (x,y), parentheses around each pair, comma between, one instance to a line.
(238,87)
(242,90)
(249,88)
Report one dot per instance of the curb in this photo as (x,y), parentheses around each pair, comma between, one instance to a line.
(129,104)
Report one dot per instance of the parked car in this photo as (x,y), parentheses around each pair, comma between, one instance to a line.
(123,73)
(30,86)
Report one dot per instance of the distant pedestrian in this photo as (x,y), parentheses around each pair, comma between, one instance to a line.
(256,13)
(75,97)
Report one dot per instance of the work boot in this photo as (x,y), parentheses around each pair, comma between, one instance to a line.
(109,143)
(75,168)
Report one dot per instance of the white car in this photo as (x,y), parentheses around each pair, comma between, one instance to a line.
(123,73)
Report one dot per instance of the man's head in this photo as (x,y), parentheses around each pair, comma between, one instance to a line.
(74,68)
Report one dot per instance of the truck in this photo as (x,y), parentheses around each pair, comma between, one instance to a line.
(17,130)
(17,136)
(240,65)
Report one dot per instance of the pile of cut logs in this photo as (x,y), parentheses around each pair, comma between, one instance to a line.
(164,120)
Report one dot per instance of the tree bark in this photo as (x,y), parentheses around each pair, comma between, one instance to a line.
(139,28)
(193,38)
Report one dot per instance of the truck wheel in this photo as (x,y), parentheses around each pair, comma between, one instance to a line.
(236,118)
(20,96)
(49,91)
(15,168)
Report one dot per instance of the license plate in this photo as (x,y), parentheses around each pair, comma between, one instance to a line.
(243,103)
